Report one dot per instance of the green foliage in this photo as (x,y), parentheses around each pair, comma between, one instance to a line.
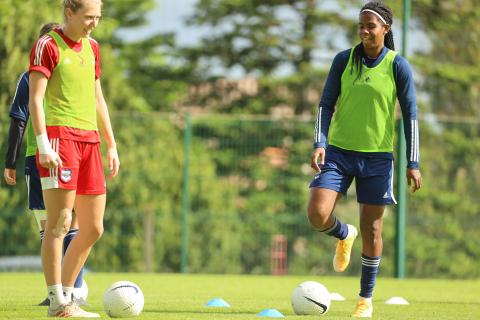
(148,182)
(164,86)
(19,25)
(444,212)
(263,39)
(249,176)
(261,36)
(451,69)
(266,162)
(130,13)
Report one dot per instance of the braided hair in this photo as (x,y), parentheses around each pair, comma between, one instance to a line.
(47,27)
(386,13)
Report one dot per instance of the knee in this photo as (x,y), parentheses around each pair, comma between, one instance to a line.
(318,215)
(60,227)
(99,231)
(372,230)
(93,233)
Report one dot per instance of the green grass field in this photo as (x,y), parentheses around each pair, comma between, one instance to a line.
(176,296)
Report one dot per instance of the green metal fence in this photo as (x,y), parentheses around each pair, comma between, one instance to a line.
(247,180)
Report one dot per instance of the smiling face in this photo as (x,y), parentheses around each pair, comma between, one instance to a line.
(371,30)
(85,19)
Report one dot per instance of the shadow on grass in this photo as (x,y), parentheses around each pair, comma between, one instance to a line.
(202,311)
(444,302)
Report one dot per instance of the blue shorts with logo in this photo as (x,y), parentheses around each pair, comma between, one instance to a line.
(373,175)
(34,186)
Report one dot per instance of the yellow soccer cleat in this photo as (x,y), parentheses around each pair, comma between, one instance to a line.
(344,249)
(364,308)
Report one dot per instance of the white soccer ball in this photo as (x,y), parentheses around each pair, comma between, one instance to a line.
(310,298)
(82,292)
(123,299)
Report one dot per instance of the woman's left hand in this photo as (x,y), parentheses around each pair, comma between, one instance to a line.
(414,178)
(113,161)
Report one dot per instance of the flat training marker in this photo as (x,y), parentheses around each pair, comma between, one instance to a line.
(217,302)
(396,300)
(335,296)
(272,313)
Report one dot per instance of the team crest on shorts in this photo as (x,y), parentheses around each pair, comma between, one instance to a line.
(66,175)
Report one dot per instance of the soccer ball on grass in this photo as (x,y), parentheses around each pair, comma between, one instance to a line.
(310,298)
(123,299)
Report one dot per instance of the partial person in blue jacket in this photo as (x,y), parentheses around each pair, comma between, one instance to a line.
(353,139)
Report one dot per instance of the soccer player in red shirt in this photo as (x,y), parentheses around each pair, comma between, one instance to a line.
(66,102)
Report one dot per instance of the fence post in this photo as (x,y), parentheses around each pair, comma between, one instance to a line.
(279,254)
(187,137)
(148,239)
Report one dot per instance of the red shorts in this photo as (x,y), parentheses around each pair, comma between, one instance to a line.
(81,170)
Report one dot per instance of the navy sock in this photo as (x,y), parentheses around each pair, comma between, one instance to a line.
(369,275)
(66,242)
(338,230)
(79,281)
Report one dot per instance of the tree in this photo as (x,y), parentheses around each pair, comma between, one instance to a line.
(449,78)
(158,72)
(451,69)
(20,23)
(265,39)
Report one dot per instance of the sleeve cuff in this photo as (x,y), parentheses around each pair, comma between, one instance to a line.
(318,145)
(18,116)
(412,165)
(41,69)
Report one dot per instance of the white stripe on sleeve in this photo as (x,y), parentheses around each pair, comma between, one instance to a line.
(414,145)
(39,49)
(416,141)
(318,126)
(18,84)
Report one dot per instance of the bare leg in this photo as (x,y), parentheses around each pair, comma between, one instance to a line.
(74,224)
(59,204)
(371,226)
(321,206)
(89,210)
(320,213)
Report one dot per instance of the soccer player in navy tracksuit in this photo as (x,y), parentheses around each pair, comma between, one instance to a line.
(20,123)
(364,83)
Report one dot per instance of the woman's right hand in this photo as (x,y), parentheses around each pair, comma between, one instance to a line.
(48,157)
(10,176)
(317,157)
(50,160)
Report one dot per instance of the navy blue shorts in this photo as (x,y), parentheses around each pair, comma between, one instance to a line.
(373,176)
(35,197)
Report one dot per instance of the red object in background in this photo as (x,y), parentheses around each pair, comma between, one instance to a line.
(279,254)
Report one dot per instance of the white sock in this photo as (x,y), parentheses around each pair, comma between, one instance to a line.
(55,295)
(67,293)
(366,299)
